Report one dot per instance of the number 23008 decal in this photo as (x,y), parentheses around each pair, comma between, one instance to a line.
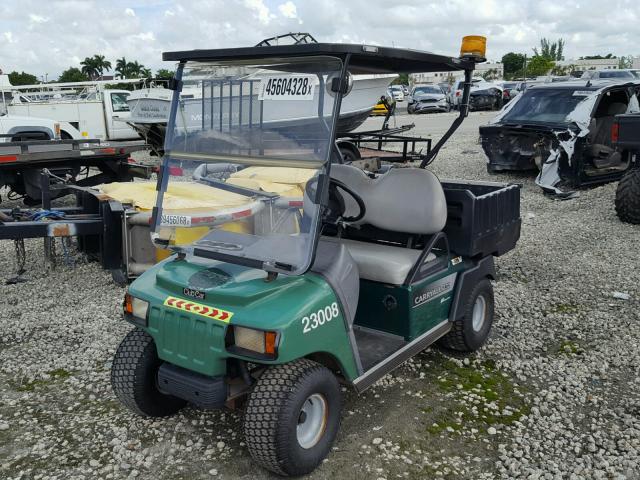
(319,318)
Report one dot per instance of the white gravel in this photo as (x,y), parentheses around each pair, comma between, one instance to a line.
(565,350)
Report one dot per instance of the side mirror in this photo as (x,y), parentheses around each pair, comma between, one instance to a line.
(335,85)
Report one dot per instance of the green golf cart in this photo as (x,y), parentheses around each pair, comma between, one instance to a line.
(320,273)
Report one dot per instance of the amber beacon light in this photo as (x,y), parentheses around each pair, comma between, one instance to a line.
(475,47)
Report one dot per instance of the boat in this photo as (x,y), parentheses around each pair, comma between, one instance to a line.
(149,107)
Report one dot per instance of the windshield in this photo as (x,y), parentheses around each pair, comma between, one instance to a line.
(424,90)
(546,105)
(615,74)
(241,151)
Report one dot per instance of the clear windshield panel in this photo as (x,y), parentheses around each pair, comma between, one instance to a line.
(546,105)
(243,156)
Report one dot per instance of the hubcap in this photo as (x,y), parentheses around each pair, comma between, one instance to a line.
(479,313)
(312,420)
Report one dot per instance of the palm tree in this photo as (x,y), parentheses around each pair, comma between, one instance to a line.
(102,64)
(134,69)
(122,67)
(146,72)
(90,67)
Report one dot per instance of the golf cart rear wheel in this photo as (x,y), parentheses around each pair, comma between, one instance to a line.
(470,332)
(628,197)
(134,377)
(292,417)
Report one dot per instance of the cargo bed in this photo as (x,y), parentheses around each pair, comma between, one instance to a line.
(483,217)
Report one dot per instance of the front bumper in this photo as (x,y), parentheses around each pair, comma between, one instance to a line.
(201,390)
(429,107)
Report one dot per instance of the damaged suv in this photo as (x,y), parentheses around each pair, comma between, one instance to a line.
(563,130)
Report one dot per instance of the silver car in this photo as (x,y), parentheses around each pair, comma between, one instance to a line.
(427,98)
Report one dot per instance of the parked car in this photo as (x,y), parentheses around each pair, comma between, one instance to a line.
(446,88)
(427,98)
(396,92)
(563,129)
(484,95)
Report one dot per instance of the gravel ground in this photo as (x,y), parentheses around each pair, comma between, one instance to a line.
(555,394)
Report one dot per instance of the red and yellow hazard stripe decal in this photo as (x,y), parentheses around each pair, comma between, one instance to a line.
(198,309)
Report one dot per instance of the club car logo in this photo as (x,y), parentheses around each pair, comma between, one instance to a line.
(440,287)
(198,309)
(190,292)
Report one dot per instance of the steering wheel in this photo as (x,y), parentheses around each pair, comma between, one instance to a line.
(336,197)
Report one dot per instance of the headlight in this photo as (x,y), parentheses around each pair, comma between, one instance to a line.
(259,341)
(136,310)
(442,100)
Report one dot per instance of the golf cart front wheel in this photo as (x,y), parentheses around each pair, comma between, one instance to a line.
(292,417)
(471,331)
(134,377)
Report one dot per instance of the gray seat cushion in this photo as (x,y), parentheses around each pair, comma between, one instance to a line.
(381,263)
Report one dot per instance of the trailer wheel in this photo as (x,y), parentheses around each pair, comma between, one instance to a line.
(134,375)
(470,332)
(292,417)
(628,197)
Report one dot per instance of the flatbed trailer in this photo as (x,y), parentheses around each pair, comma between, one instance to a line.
(21,165)
(40,171)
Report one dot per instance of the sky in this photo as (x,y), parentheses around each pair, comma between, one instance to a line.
(48,36)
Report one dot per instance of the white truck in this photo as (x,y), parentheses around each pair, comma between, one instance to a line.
(94,110)
(14,128)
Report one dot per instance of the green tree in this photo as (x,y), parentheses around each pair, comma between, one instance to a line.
(146,72)
(403,79)
(164,74)
(625,61)
(73,74)
(550,50)
(538,66)
(491,74)
(608,56)
(102,64)
(90,67)
(513,64)
(121,67)
(22,78)
(94,67)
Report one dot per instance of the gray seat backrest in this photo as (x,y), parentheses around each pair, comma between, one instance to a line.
(408,200)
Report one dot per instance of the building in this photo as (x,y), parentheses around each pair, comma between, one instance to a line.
(450,77)
(592,64)
(636,62)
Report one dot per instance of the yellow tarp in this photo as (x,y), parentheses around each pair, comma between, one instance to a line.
(288,182)
(179,196)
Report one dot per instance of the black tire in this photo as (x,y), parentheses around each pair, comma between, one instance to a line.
(119,277)
(134,377)
(628,197)
(274,410)
(463,337)
(349,155)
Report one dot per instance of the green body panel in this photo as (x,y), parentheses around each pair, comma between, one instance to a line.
(197,343)
(407,311)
